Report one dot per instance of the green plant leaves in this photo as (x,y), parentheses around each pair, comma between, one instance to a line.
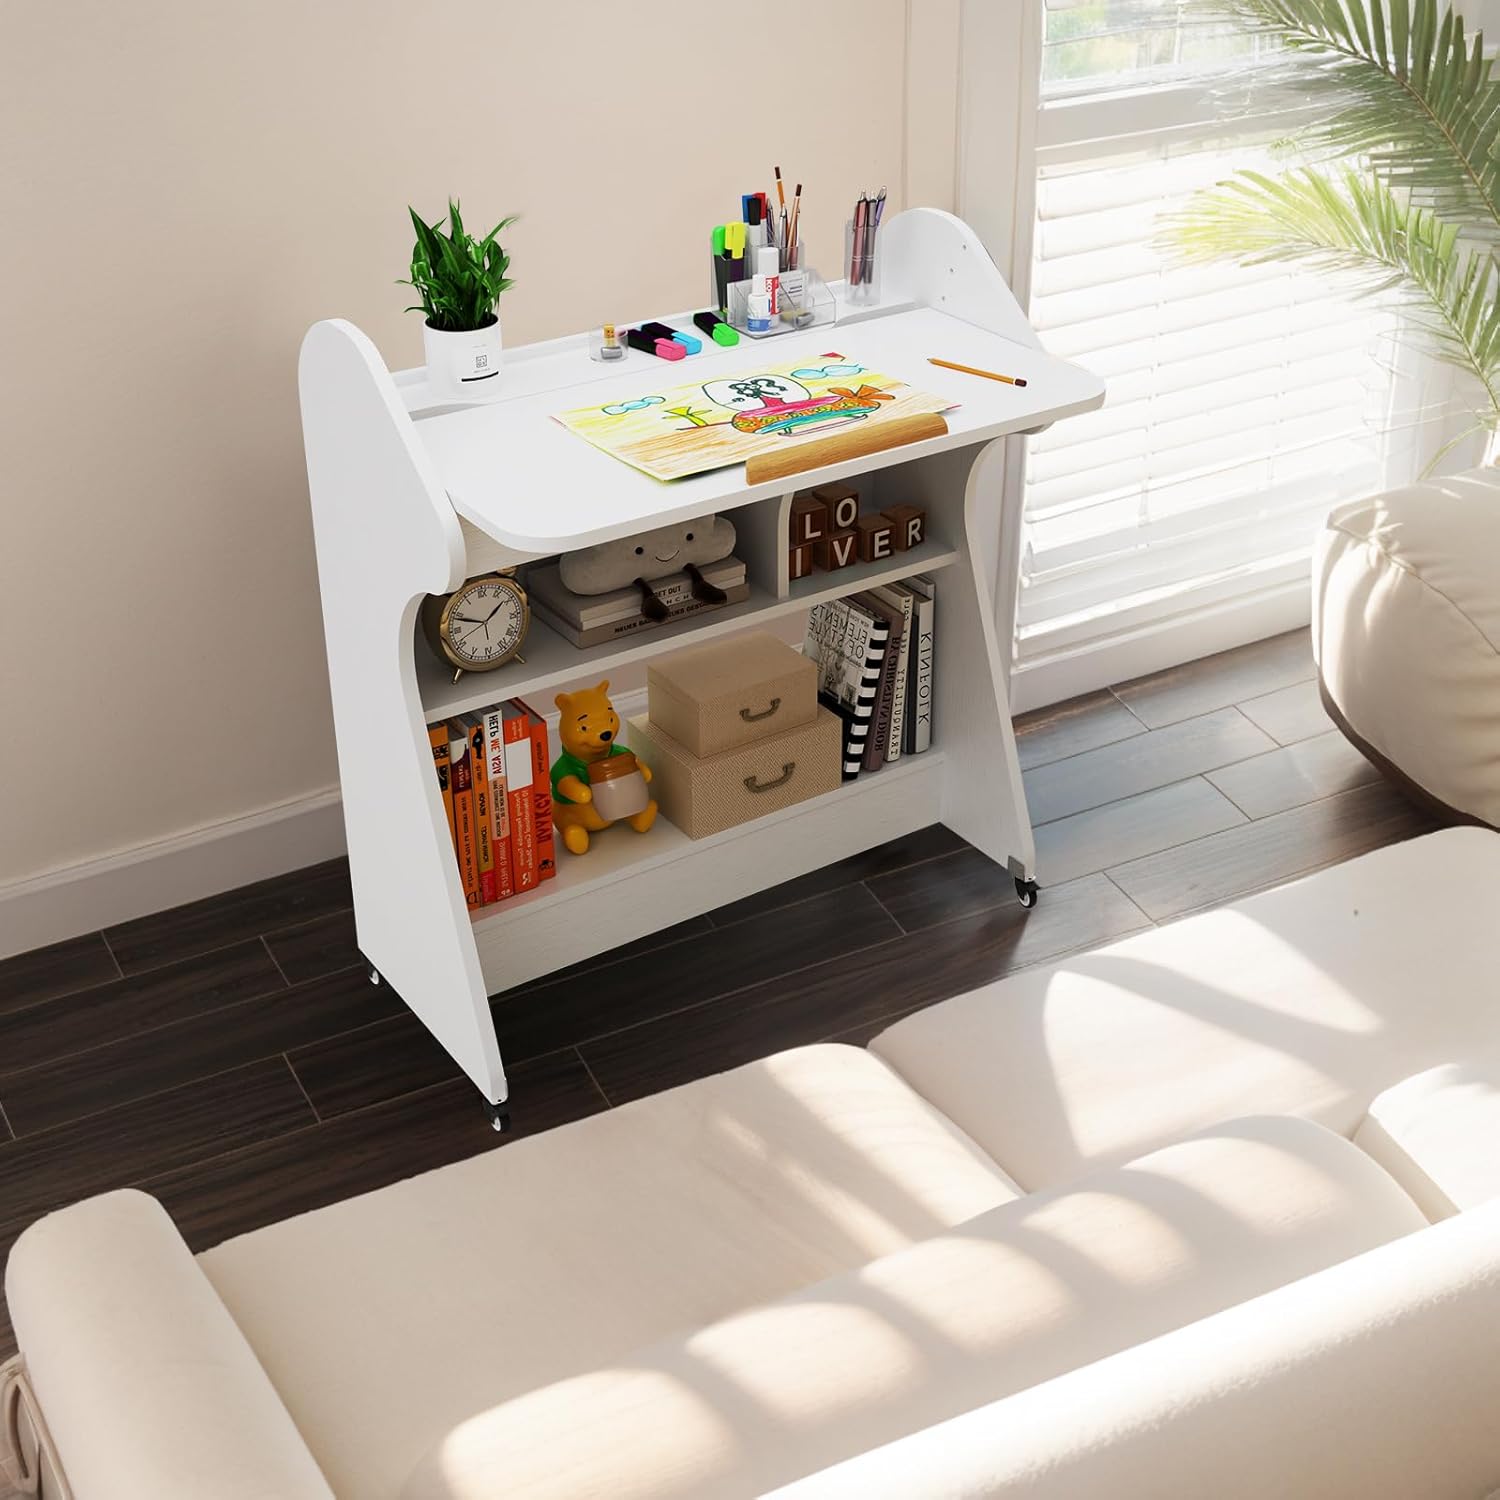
(1397,81)
(1349,221)
(458,278)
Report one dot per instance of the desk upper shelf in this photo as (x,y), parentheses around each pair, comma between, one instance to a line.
(525,480)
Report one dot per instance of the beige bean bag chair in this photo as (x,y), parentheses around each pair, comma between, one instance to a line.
(1406,632)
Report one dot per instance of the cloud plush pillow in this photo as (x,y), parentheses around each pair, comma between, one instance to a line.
(648,555)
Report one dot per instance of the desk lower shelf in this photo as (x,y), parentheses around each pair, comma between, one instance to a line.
(630,884)
(552,661)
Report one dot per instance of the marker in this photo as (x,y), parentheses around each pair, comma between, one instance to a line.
(948,364)
(688,342)
(717,329)
(649,344)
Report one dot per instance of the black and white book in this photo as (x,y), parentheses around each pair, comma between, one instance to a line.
(919,678)
(848,642)
(885,693)
(899,597)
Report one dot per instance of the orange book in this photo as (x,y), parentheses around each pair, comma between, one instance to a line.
(461,779)
(541,793)
(483,853)
(494,765)
(437,737)
(518,779)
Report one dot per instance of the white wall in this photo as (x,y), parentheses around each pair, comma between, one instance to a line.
(188,184)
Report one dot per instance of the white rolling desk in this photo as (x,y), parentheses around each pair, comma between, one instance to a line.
(410,498)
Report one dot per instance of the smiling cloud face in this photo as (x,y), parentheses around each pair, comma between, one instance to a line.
(648,555)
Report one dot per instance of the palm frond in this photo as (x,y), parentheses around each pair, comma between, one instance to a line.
(1352,223)
(1396,81)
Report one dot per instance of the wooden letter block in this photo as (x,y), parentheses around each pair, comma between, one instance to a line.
(836,550)
(876,534)
(799,560)
(843,505)
(809,521)
(910,523)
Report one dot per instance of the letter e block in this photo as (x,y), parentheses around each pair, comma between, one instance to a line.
(876,535)
(836,550)
(799,560)
(809,521)
(910,524)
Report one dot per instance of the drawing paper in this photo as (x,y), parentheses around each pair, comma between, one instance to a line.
(692,428)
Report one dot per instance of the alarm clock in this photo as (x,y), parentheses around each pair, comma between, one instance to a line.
(480,626)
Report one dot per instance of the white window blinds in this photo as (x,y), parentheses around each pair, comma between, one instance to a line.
(1241,403)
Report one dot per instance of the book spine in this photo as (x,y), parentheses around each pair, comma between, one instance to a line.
(894,743)
(541,793)
(880,732)
(873,700)
(922,676)
(437,737)
(461,779)
(596,635)
(518,778)
(494,764)
(484,852)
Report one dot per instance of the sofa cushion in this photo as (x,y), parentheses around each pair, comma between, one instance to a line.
(1371,1380)
(1306,1000)
(148,1387)
(386,1320)
(1438,1135)
(1010,1298)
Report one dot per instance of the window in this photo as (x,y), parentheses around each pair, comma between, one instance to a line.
(1241,403)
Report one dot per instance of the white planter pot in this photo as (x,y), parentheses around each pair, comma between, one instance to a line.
(464,366)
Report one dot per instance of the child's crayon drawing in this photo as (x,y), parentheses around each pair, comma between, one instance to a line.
(689,429)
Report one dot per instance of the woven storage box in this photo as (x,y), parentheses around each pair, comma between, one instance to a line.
(706,795)
(724,694)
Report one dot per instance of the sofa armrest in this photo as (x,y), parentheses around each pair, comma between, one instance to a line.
(1372,1380)
(147,1384)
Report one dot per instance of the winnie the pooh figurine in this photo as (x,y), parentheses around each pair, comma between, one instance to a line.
(593,784)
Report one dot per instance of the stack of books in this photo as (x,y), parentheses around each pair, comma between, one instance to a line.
(591,619)
(875,670)
(493,770)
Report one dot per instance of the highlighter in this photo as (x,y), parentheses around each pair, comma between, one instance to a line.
(717,329)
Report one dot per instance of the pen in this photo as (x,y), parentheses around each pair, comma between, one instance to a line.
(791,233)
(872,218)
(857,242)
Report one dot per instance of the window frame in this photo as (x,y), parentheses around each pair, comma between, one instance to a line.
(1006,135)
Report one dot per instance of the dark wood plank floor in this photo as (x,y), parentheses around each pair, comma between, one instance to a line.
(232,1057)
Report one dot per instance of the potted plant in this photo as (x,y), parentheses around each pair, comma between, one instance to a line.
(459,280)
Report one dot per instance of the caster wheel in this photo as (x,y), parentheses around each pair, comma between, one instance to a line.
(374,975)
(499,1117)
(1026,892)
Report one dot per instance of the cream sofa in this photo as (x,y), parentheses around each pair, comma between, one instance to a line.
(1155,1221)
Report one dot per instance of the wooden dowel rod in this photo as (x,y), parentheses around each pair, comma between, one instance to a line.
(855,442)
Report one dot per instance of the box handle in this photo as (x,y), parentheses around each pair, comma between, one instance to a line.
(750,718)
(753,785)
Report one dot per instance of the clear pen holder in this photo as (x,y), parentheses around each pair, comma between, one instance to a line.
(801,301)
(861,264)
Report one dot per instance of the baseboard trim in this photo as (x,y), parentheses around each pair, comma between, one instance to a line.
(207,861)
(1169,643)
(136,882)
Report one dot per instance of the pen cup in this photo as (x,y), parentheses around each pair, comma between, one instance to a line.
(861,264)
